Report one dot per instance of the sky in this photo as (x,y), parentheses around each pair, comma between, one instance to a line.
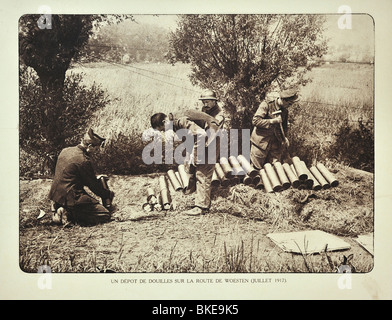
(166,21)
(359,33)
(356,29)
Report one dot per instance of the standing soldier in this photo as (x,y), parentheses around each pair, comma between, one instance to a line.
(268,138)
(211,107)
(198,125)
(74,171)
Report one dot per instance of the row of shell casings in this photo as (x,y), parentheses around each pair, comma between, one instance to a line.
(316,177)
(161,200)
(272,178)
(234,170)
(179,180)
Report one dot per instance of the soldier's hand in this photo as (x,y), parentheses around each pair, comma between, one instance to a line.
(286,142)
(219,120)
(276,120)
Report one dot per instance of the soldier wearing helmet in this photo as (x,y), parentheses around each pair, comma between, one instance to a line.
(211,107)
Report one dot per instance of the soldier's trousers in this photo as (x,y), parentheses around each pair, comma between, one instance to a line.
(259,157)
(202,173)
(203,185)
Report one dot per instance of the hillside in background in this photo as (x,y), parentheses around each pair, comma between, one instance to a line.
(355,43)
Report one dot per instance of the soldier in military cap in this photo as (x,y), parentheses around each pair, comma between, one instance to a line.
(74,171)
(268,138)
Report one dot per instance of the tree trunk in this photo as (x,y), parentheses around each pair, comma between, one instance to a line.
(52,87)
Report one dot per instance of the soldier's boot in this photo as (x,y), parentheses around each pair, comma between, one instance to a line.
(60,216)
(196,211)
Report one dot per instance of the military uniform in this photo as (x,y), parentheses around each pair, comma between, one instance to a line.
(74,171)
(266,138)
(198,123)
(214,111)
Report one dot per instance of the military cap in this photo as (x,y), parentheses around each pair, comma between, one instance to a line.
(208,95)
(94,139)
(289,94)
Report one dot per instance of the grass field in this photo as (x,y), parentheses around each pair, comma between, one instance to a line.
(233,237)
(140,93)
(337,92)
(339,95)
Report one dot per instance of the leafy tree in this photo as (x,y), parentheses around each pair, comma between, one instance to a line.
(48,46)
(80,103)
(242,57)
(140,42)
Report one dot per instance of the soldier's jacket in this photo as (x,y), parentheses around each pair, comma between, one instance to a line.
(215,112)
(198,123)
(263,132)
(74,170)
(195,121)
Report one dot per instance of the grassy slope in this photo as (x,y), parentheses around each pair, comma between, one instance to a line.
(231,239)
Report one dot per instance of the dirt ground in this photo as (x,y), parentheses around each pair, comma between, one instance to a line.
(231,238)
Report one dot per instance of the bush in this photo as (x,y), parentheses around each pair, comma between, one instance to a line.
(79,105)
(302,148)
(124,156)
(354,146)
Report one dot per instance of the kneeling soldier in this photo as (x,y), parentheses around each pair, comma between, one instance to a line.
(74,171)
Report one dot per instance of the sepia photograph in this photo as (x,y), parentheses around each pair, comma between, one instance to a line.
(190,152)
(223,143)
